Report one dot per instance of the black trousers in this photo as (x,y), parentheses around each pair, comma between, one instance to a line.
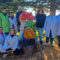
(18,25)
(51,39)
(16,52)
(7,33)
(58,40)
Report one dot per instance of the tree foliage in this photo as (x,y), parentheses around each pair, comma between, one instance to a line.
(52,4)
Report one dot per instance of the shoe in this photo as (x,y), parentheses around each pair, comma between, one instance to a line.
(41,42)
(46,45)
(52,45)
(59,45)
(42,46)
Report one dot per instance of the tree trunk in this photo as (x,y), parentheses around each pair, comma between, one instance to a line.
(53,6)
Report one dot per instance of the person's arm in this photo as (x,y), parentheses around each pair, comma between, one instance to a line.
(6,43)
(15,19)
(0,22)
(45,24)
(16,44)
(16,16)
(36,17)
(45,17)
(56,25)
(4,35)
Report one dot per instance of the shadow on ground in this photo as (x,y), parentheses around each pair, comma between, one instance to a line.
(48,53)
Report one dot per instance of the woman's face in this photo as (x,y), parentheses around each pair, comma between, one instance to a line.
(11,14)
(12,32)
(19,8)
(40,12)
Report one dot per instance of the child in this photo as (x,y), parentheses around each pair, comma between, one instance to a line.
(12,20)
(50,28)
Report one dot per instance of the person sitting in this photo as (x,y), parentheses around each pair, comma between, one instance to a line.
(2,38)
(11,42)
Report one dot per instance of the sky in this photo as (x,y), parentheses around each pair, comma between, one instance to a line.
(33,12)
(57,12)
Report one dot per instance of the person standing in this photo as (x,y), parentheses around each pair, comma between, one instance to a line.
(50,28)
(58,29)
(40,21)
(12,20)
(4,22)
(17,16)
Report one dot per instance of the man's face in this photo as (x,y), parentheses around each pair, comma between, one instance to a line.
(19,8)
(51,13)
(5,11)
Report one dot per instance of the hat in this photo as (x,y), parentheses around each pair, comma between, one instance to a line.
(5,9)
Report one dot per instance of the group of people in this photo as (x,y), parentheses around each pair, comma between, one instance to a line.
(10,25)
(51,25)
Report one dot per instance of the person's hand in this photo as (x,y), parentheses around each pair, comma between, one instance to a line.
(3,50)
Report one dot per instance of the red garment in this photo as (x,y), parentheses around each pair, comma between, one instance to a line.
(26,16)
(29,17)
(1,33)
(23,16)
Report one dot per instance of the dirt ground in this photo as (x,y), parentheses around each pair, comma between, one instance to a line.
(48,53)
